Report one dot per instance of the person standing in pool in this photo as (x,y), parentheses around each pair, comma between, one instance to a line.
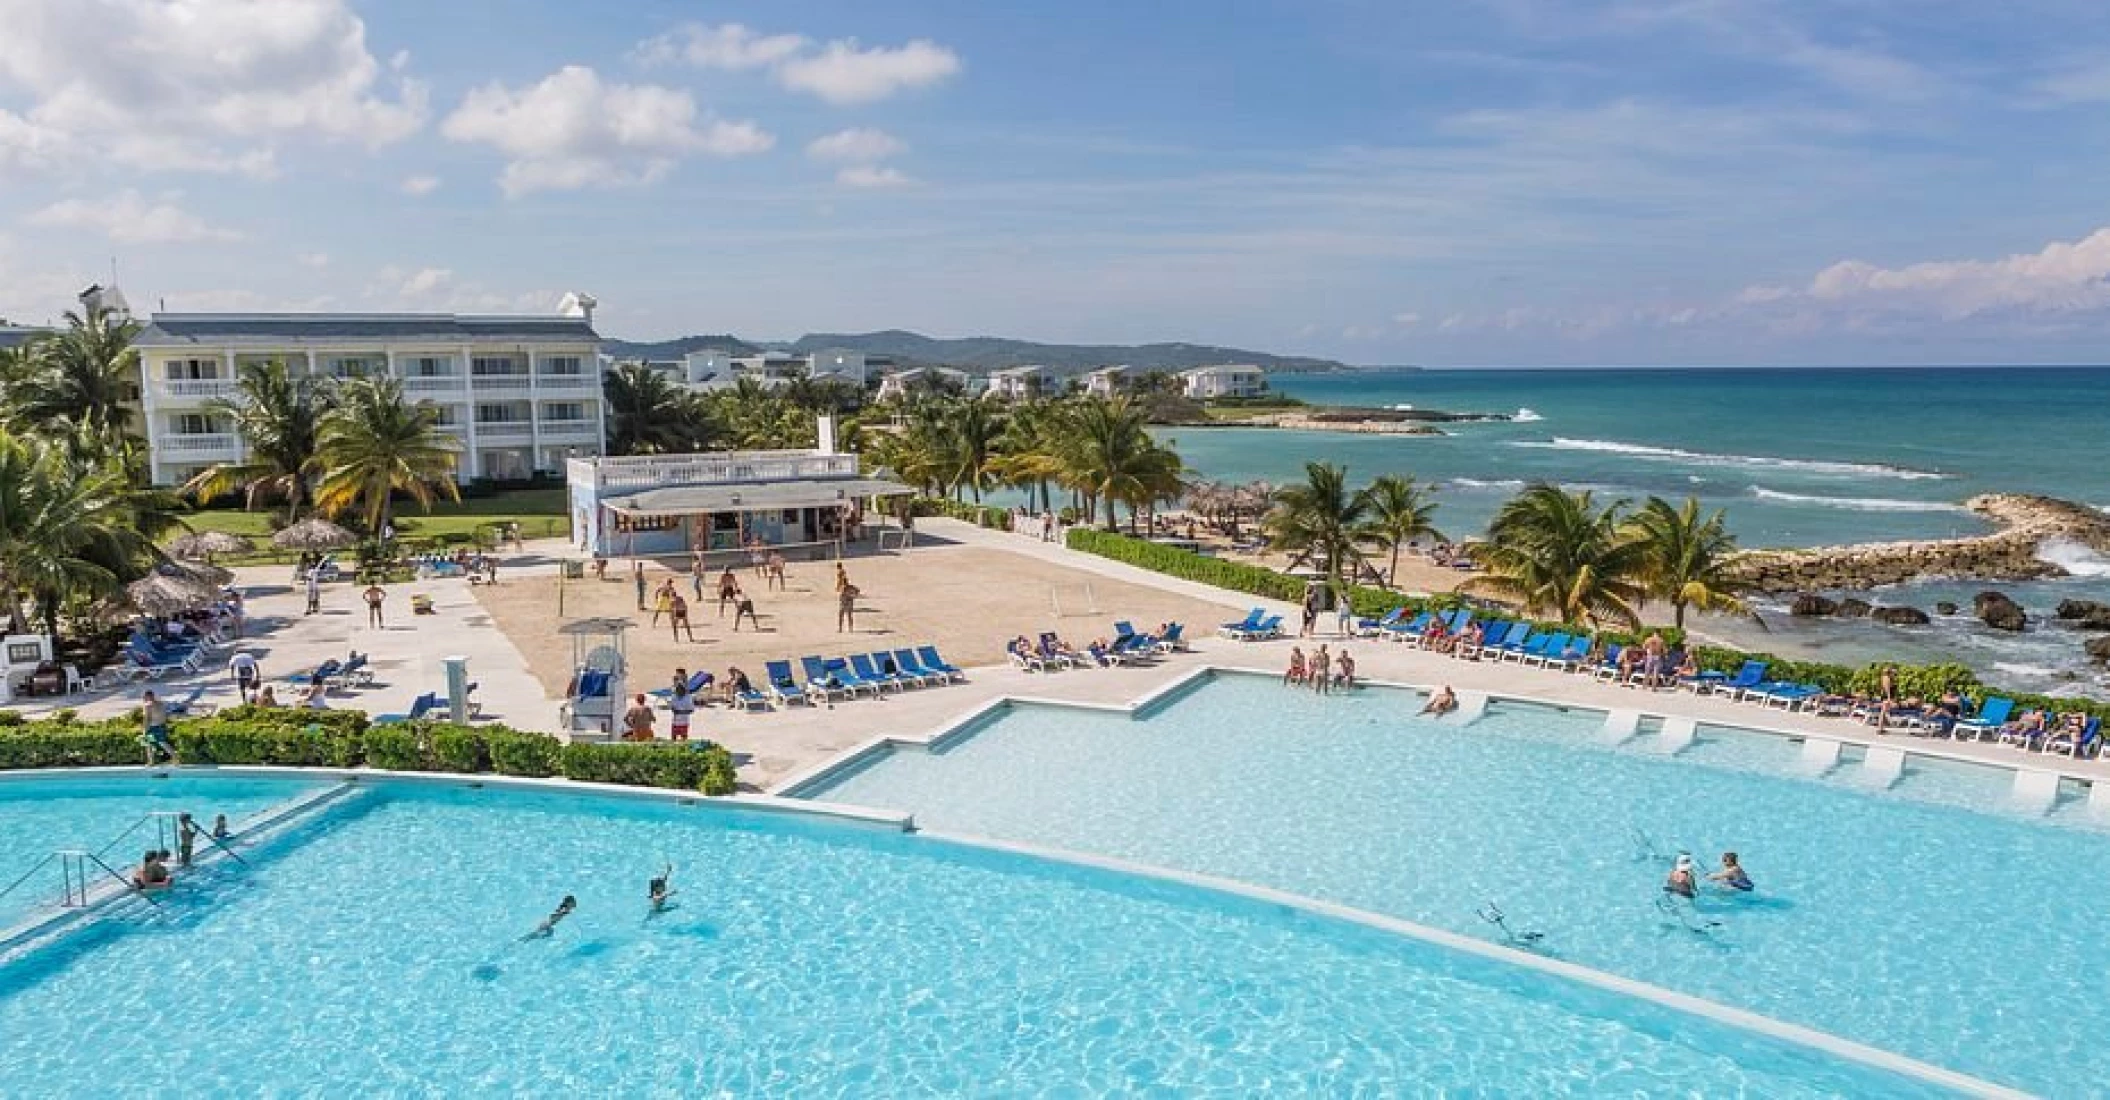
(186,838)
(660,890)
(1732,874)
(549,923)
(1681,882)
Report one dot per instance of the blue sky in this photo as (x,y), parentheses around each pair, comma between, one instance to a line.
(1492,182)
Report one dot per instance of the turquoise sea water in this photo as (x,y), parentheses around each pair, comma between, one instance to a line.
(1926,920)
(1795,457)
(39,817)
(378,953)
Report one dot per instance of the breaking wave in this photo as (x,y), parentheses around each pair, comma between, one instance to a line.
(1756,462)
(1858,504)
(2075,558)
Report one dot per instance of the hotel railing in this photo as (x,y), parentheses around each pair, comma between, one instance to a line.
(653,472)
(196,443)
(196,387)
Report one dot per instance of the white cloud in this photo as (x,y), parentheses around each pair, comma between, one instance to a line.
(855,146)
(420,185)
(728,46)
(871,176)
(316,260)
(845,73)
(129,218)
(573,130)
(205,85)
(2061,277)
(424,281)
(396,287)
(1407,320)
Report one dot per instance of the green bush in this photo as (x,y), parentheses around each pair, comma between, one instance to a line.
(223,740)
(677,767)
(1924,681)
(457,748)
(531,754)
(62,745)
(399,747)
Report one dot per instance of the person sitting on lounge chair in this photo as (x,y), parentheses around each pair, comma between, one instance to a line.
(1098,652)
(1946,713)
(1432,636)
(1443,702)
(1058,648)
(1890,712)
(1474,635)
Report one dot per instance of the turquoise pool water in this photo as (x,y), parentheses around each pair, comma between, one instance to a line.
(377,952)
(1923,921)
(37,817)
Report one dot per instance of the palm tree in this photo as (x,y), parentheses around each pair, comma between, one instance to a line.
(66,530)
(648,414)
(1399,514)
(1556,553)
(971,431)
(1108,455)
(1321,518)
(280,420)
(1030,448)
(375,444)
(86,374)
(1688,558)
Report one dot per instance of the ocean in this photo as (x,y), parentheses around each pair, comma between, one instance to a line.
(1795,457)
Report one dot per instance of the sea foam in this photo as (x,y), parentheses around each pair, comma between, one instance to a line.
(1525,416)
(2075,558)
(1858,504)
(1706,458)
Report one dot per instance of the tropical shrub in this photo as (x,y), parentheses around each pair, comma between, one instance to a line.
(457,748)
(528,754)
(678,767)
(398,747)
(62,745)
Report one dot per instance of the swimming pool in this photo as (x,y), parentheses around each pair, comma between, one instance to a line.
(42,815)
(1921,921)
(376,950)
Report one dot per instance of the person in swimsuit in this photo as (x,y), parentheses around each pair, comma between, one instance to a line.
(1295,673)
(659,890)
(186,838)
(549,923)
(1731,874)
(1681,882)
(219,827)
(1443,702)
(153,872)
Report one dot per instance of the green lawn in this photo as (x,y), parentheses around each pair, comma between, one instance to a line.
(540,513)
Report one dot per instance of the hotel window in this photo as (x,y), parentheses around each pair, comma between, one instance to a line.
(491,364)
(352,366)
(563,410)
(561,364)
(428,366)
(191,370)
(500,414)
(625,523)
(193,424)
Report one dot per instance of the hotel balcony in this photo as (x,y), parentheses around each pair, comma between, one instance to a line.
(198,446)
(195,389)
(585,382)
(433,383)
(571,430)
(485,383)
(503,429)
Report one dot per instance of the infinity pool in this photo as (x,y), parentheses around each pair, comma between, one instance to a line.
(40,816)
(378,951)
(1922,921)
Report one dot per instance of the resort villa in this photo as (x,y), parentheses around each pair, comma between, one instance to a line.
(652,505)
(717,369)
(521,393)
(1107,381)
(1226,380)
(1017,383)
(903,382)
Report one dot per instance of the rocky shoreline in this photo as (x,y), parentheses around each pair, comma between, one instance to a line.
(2027,523)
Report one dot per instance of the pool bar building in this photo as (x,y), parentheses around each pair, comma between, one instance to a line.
(651,505)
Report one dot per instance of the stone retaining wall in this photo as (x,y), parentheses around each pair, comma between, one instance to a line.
(2027,523)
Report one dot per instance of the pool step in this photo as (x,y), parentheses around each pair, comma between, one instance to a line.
(1677,735)
(1819,756)
(1472,706)
(2035,790)
(2099,800)
(108,896)
(1881,770)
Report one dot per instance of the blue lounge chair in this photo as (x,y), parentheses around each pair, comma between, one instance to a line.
(1532,647)
(698,681)
(908,664)
(752,699)
(1789,696)
(1490,638)
(1371,628)
(322,672)
(851,681)
(818,679)
(1746,678)
(1266,628)
(2076,745)
(1173,641)
(1989,717)
(1513,641)
(927,656)
(419,708)
(1608,665)
(782,687)
(889,665)
(871,673)
(189,706)
(1549,648)
(1571,658)
(1246,625)
(1407,632)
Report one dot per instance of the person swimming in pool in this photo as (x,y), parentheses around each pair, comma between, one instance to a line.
(549,923)
(1681,881)
(1732,874)
(1442,702)
(660,890)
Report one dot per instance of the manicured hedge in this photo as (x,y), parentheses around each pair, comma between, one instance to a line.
(981,515)
(344,739)
(1925,681)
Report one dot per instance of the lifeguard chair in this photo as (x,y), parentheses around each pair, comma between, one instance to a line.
(594,700)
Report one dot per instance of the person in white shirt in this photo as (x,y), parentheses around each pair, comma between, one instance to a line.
(247,675)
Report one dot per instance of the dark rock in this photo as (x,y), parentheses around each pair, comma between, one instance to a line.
(1900,616)
(1945,608)
(1996,610)
(1851,608)
(1809,603)
(2099,648)
(2081,609)
(2098,619)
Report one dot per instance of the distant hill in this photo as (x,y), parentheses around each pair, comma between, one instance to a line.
(990,352)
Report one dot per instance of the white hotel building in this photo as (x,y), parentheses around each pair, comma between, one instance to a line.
(521,393)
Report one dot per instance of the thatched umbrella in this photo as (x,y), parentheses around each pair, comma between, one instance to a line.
(314,533)
(202,545)
(173,588)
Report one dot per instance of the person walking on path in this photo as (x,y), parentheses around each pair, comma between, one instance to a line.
(678,617)
(637,574)
(1343,613)
(1311,613)
(374,595)
(154,718)
(728,591)
(846,608)
(314,591)
(247,675)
